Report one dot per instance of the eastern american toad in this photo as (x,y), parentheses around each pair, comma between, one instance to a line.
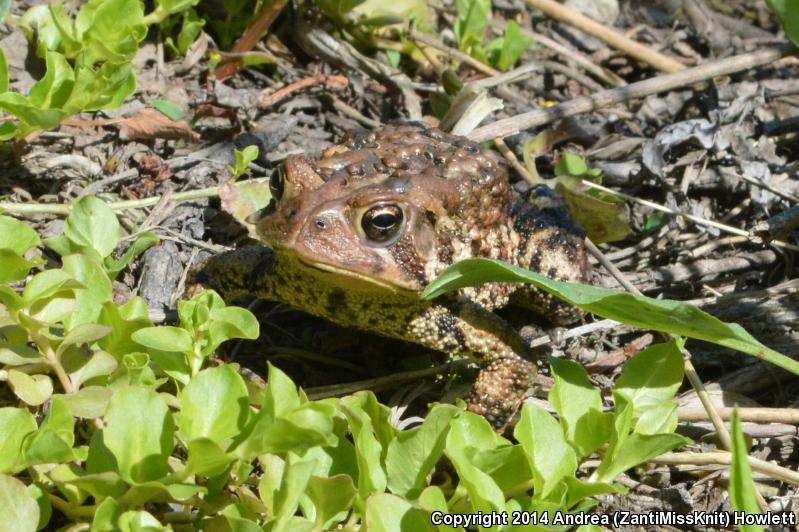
(358,233)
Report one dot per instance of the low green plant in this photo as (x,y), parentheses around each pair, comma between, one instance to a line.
(116,423)
(87,60)
(242,160)
(470,29)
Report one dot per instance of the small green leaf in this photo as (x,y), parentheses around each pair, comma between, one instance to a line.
(332,498)
(92,224)
(637,449)
(206,458)
(243,159)
(13,267)
(17,236)
(139,433)
(89,402)
(89,300)
(31,389)
(389,513)
(15,425)
(551,458)
(413,453)
(214,405)
(164,338)
(46,284)
(99,363)
(742,487)
(140,245)
(579,406)
(85,333)
(168,109)
(571,164)
(18,509)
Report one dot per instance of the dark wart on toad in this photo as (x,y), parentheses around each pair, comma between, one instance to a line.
(357,234)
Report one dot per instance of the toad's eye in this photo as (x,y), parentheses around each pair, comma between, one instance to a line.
(276,183)
(382,223)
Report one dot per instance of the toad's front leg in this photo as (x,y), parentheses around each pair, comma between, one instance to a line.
(464,327)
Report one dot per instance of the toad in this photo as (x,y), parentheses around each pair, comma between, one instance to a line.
(355,235)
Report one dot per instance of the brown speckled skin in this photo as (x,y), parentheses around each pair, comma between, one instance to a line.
(456,203)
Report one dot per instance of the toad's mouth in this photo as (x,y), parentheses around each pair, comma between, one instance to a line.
(344,273)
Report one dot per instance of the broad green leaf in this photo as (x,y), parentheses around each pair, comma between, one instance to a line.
(85,333)
(137,521)
(413,453)
(60,420)
(637,449)
(231,322)
(99,363)
(106,516)
(31,389)
(18,509)
(117,27)
(19,354)
(280,394)
(368,451)
(13,267)
(649,382)
(17,236)
(214,405)
(332,498)
(139,433)
(167,108)
(15,425)
(88,402)
(308,426)
(470,23)
(46,284)
(742,487)
(664,315)
(164,338)
(579,406)
(43,501)
(106,87)
(296,474)
(389,513)
(514,44)
(206,458)
(89,300)
(47,447)
(4,5)
(551,457)
(124,321)
(788,12)
(189,31)
(92,224)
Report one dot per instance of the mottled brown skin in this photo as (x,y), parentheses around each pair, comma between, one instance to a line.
(358,233)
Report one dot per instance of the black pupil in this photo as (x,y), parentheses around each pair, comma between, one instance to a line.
(381,223)
(384,220)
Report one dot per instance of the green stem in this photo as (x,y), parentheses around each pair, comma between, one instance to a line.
(64,209)
(46,349)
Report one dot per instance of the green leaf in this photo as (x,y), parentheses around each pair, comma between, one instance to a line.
(13,267)
(788,13)
(124,321)
(579,406)
(230,322)
(742,487)
(332,498)
(389,513)
(413,453)
(604,219)
(649,382)
(140,245)
(206,458)
(17,236)
(550,456)
(164,338)
(85,333)
(46,284)
(296,474)
(139,433)
(470,23)
(243,159)
(31,389)
(92,224)
(168,109)
(214,405)
(484,493)
(189,31)
(636,449)
(47,447)
(114,29)
(664,315)
(89,300)
(89,402)
(100,363)
(43,501)
(15,425)
(18,509)
(59,420)
(514,44)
